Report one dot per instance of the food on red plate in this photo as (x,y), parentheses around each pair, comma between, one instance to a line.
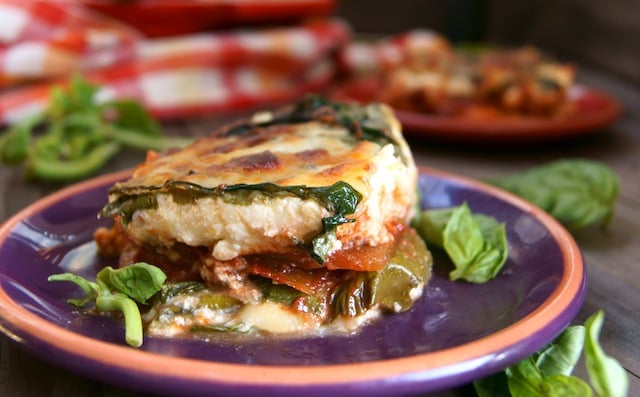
(423,73)
(292,222)
(484,84)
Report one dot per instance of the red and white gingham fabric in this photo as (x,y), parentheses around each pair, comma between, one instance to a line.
(173,77)
(362,58)
(39,39)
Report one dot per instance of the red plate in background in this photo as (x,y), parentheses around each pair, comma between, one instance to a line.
(156,18)
(594,111)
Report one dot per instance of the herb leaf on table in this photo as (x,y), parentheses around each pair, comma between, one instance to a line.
(548,371)
(77,135)
(577,192)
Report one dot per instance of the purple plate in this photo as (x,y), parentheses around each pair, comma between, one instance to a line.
(455,333)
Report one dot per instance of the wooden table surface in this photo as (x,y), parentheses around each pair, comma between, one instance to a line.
(612,256)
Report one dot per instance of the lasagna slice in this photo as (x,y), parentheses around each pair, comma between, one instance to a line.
(293,221)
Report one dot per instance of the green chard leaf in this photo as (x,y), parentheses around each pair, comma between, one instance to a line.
(577,192)
(608,377)
(339,198)
(475,243)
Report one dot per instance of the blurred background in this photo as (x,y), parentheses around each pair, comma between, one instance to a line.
(46,40)
(586,31)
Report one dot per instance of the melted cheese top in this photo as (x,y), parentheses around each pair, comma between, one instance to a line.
(312,154)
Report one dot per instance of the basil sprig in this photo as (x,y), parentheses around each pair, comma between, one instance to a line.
(475,243)
(547,373)
(77,135)
(608,377)
(576,192)
(119,290)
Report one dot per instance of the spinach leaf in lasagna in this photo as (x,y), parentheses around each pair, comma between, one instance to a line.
(341,199)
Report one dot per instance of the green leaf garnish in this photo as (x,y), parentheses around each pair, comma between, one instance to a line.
(76,136)
(576,192)
(548,371)
(119,290)
(608,377)
(139,281)
(561,355)
(475,243)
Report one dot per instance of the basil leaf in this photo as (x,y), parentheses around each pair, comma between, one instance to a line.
(138,281)
(564,386)
(90,289)
(526,380)
(132,318)
(80,135)
(462,240)
(577,192)
(430,224)
(490,260)
(14,143)
(78,98)
(475,243)
(561,356)
(492,386)
(116,290)
(608,377)
(55,170)
(131,115)
(547,372)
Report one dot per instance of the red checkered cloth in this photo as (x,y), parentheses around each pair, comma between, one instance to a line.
(360,58)
(173,77)
(40,40)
